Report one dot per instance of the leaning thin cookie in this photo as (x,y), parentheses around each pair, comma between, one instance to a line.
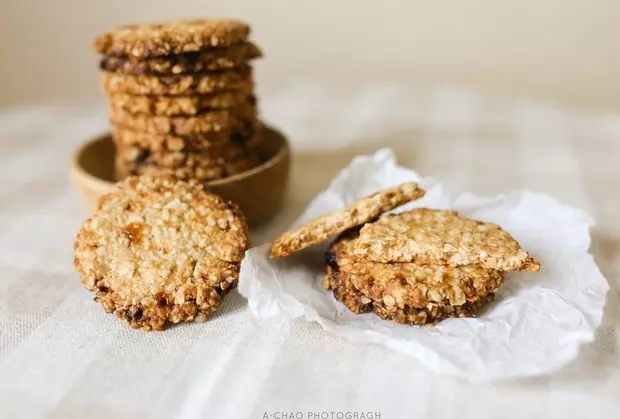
(176,37)
(159,251)
(430,236)
(336,222)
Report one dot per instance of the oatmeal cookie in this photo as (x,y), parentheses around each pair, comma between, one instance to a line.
(213,144)
(174,37)
(214,121)
(358,303)
(158,250)
(163,156)
(336,222)
(180,105)
(250,133)
(183,165)
(407,292)
(346,293)
(193,62)
(166,157)
(430,236)
(183,84)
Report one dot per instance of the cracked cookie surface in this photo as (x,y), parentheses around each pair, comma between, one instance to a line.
(431,236)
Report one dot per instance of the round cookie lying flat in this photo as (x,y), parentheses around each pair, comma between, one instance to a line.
(407,292)
(345,292)
(250,133)
(213,121)
(336,222)
(159,251)
(126,140)
(183,165)
(194,62)
(182,84)
(180,105)
(431,236)
(174,37)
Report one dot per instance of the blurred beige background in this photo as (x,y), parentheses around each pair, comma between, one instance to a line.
(567,51)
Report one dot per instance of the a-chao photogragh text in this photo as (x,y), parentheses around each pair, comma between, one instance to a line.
(322,415)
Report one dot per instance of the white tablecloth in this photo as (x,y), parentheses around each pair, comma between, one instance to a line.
(62,357)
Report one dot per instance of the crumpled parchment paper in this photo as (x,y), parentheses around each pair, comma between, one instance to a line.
(536,323)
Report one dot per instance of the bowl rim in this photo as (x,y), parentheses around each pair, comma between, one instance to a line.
(78,171)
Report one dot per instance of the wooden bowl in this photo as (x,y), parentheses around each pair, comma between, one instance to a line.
(259,192)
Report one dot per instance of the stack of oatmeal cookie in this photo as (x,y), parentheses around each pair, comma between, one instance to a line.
(181,98)
(416,267)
